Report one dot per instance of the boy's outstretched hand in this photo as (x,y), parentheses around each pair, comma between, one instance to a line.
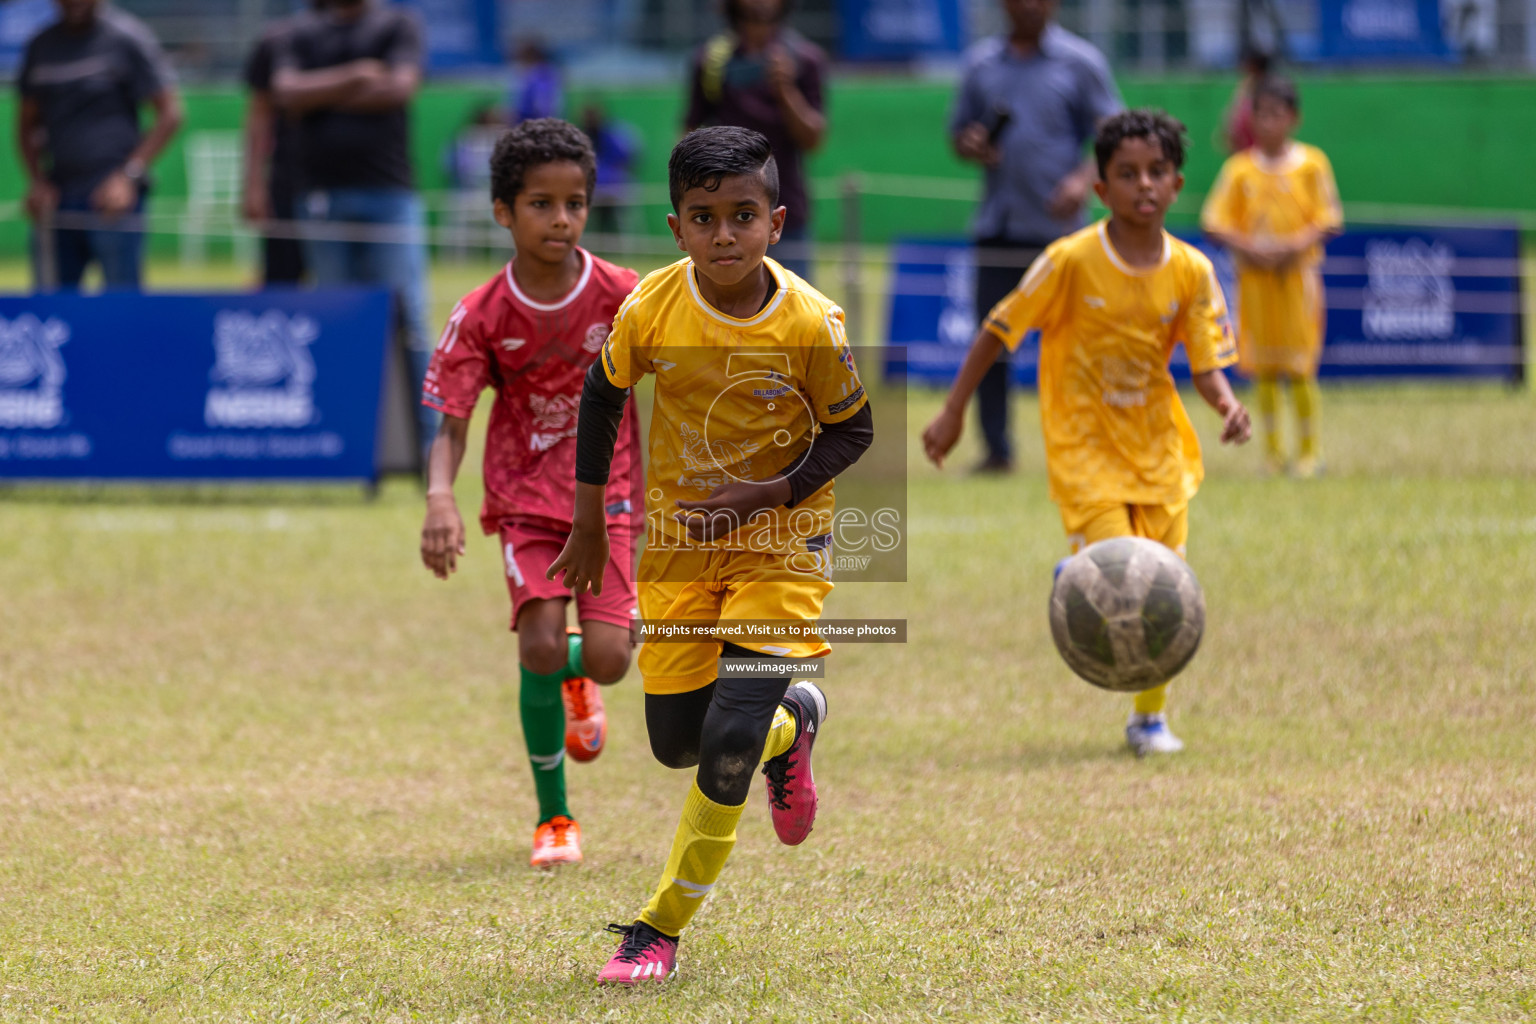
(1235,426)
(442,536)
(583,559)
(942,434)
(730,506)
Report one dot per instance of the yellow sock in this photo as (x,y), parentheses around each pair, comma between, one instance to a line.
(1267,396)
(1305,394)
(705,834)
(1150,702)
(781,734)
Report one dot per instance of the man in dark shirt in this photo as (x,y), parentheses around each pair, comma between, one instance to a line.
(348,74)
(82,82)
(272,159)
(765,76)
(1028,105)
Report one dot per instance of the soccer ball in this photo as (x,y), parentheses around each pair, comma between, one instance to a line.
(1126,613)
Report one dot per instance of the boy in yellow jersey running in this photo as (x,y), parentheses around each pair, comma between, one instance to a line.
(758,407)
(1111,302)
(1273,206)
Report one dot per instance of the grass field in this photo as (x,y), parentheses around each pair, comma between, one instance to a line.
(256,764)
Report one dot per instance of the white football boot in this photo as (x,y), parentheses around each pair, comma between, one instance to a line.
(1149,734)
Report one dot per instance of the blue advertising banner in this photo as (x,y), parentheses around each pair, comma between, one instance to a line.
(461,34)
(123,386)
(899,29)
(1402,302)
(1381,30)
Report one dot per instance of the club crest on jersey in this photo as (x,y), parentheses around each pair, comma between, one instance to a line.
(596,335)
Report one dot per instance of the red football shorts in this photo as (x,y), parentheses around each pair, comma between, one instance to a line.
(528,549)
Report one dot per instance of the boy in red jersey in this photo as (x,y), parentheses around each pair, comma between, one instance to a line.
(530,333)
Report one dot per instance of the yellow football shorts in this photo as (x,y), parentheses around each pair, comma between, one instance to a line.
(723,586)
(1088,524)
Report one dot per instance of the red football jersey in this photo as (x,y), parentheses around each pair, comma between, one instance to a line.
(536,354)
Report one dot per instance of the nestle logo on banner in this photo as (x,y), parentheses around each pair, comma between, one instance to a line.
(1381,19)
(263,373)
(31,372)
(1409,293)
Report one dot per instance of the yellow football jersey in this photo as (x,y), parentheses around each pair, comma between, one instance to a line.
(735,399)
(1115,429)
(1280,311)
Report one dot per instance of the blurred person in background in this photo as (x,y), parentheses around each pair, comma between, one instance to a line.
(348,75)
(617,147)
(81,84)
(1028,105)
(536,91)
(763,75)
(1237,124)
(271,159)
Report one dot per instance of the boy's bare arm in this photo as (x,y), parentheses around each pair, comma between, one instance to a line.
(585,555)
(944,431)
(442,534)
(1213,387)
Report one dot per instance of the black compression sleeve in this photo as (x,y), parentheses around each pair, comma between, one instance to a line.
(837,447)
(597,426)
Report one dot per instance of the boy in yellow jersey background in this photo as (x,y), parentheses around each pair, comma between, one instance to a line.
(1273,206)
(1111,301)
(758,406)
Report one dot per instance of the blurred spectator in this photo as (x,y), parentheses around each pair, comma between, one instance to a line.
(82,81)
(766,76)
(537,91)
(349,73)
(272,160)
(468,223)
(469,154)
(1238,122)
(1028,105)
(617,147)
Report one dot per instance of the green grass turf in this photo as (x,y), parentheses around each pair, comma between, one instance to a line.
(256,764)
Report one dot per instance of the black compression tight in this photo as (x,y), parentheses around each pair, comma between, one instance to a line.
(720,727)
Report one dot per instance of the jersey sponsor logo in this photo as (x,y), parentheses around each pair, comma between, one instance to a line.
(263,375)
(1125,382)
(707,465)
(32,372)
(663,364)
(847,403)
(1094,302)
(596,335)
(554,417)
(513,344)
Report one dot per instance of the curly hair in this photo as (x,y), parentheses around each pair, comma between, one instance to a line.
(543,140)
(706,155)
(1153,125)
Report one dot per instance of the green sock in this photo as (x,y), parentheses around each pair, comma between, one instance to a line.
(543,716)
(573,657)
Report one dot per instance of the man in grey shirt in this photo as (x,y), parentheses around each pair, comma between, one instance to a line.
(82,81)
(1027,109)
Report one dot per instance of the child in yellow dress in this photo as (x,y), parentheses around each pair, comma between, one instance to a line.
(1273,206)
